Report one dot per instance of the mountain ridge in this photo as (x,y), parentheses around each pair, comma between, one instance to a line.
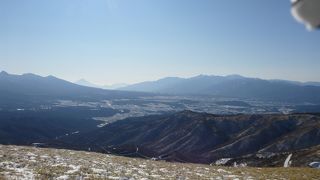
(204,138)
(27,89)
(234,86)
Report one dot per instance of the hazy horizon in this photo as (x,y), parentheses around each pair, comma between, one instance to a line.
(148,80)
(122,41)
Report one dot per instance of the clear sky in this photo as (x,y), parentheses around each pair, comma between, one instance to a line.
(113,41)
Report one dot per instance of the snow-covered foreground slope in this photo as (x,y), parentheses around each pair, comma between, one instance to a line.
(19,162)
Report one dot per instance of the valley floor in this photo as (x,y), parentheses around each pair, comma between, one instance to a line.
(20,162)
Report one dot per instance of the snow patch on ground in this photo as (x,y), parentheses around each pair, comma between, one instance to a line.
(63,177)
(222,161)
(17,163)
(74,169)
(17,171)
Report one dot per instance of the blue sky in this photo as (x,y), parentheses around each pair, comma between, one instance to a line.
(113,41)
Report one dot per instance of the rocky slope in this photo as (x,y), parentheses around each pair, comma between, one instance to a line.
(19,162)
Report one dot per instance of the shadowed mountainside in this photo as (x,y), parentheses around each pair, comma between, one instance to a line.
(27,127)
(203,138)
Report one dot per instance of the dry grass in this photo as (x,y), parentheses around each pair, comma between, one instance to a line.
(26,163)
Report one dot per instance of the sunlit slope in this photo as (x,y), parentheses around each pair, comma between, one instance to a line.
(18,162)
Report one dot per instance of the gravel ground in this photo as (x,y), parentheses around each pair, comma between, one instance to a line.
(20,162)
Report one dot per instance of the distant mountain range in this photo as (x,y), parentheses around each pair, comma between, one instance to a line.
(31,89)
(233,86)
(184,136)
(204,138)
(84,82)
